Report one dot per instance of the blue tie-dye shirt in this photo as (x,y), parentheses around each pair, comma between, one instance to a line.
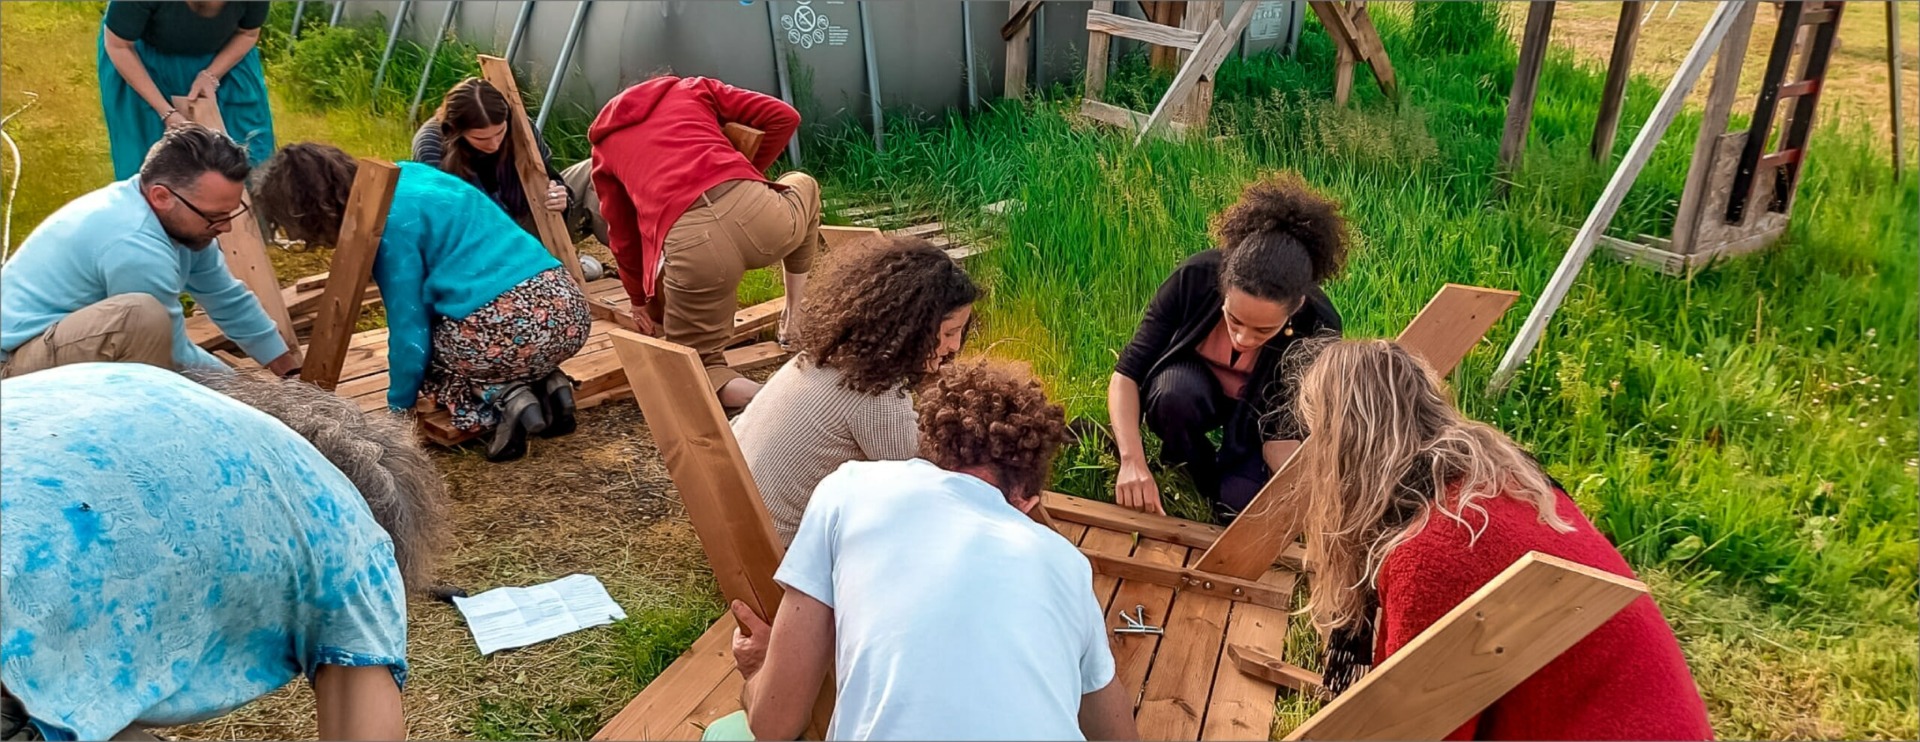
(168,554)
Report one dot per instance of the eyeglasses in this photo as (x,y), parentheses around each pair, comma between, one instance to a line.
(212,221)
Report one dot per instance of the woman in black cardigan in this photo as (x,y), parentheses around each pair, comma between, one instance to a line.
(1207,354)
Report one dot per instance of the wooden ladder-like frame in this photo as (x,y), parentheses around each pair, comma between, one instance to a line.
(1189,98)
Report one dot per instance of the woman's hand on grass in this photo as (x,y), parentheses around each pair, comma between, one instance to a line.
(1136,489)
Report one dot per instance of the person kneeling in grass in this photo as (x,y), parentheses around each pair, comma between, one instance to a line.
(889,311)
(174,551)
(945,610)
(1410,508)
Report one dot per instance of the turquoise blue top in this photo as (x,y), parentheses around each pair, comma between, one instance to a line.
(448,251)
(170,554)
(109,242)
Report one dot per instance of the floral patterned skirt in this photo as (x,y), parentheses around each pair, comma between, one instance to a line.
(519,337)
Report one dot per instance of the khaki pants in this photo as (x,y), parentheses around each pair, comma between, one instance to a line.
(132,328)
(733,228)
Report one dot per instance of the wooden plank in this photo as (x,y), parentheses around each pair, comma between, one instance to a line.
(1893,88)
(1197,108)
(551,225)
(1190,580)
(838,237)
(1355,31)
(1616,191)
(1019,46)
(1626,36)
(1241,706)
(1452,322)
(1104,22)
(755,357)
(1497,638)
(1166,13)
(1269,668)
(1174,703)
(1797,89)
(1133,653)
(1778,159)
(1442,334)
(1110,543)
(361,227)
(720,496)
(725,699)
(1072,532)
(1342,75)
(314,282)
(1713,123)
(1130,120)
(678,689)
(745,139)
(1526,84)
(1206,58)
(244,248)
(1097,48)
(1114,517)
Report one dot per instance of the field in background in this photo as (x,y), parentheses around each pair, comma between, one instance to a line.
(1747,437)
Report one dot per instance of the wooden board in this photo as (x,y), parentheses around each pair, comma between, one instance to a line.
(1526,83)
(534,182)
(1106,23)
(667,703)
(745,139)
(691,432)
(1175,697)
(1626,36)
(244,248)
(1097,52)
(1019,45)
(361,227)
(1498,637)
(1445,330)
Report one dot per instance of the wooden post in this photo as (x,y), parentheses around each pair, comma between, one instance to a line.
(1713,125)
(1354,30)
(244,248)
(1342,75)
(1198,105)
(1724,16)
(1442,334)
(1019,45)
(1526,84)
(1097,46)
(1168,13)
(1893,86)
(551,225)
(1626,36)
(1499,636)
(744,138)
(354,251)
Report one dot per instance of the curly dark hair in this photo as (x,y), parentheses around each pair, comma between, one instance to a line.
(302,190)
(1281,239)
(875,316)
(992,415)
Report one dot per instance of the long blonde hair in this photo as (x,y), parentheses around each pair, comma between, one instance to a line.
(1386,449)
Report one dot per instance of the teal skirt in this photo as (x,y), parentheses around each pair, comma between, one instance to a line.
(132,126)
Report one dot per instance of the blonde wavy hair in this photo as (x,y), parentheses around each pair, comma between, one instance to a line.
(1386,450)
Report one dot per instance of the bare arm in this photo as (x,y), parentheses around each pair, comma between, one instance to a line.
(1107,714)
(356,703)
(127,62)
(790,319)
(237,47)
(784,665)
(1276,453)
(1135,488)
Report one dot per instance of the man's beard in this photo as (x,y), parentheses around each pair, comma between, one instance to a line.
(195,242)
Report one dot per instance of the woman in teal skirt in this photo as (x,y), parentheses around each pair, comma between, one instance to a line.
(151,52)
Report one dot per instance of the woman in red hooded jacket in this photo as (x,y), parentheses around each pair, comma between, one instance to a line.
(687,214)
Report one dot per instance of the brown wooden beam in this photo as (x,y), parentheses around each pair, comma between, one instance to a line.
(1626,36)
(1183,578)
(354,251)
(1526,84)
(1258,664)
(551,225)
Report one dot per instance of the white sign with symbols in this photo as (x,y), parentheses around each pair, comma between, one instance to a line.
(808,27)
(1269,20)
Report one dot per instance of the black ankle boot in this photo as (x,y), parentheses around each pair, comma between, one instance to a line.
(520,414)
(556,399)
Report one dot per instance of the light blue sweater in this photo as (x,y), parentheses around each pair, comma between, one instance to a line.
(448,251)
(109,242)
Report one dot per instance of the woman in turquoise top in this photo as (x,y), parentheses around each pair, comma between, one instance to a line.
(151,52)
(479,315)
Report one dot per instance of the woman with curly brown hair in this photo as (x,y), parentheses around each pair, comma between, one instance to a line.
(1411,507)
(889,311)
(1206,356)
(944,609)
(479,315)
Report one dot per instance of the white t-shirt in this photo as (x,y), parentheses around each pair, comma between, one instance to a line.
(955,615)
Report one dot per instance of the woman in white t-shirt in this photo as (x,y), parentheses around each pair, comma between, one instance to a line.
(944,609)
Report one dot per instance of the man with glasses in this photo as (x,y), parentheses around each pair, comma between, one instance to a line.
(101,278)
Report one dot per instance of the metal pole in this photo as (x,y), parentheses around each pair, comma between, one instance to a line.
(338,8)
(560,66)
(426,70)
(393,39)
(780,72)
(299,9)
(519,29)
(1893,84)
(873,80)
(966,22)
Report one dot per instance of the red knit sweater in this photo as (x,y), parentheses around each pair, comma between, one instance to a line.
(658,145)
(1626,680)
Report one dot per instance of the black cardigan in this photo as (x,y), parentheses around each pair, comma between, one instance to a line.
(1184,310)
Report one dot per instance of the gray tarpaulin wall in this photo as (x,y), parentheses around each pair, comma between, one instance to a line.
(919,47)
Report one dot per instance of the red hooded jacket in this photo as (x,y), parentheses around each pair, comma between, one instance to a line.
(1626,680)
(657,146)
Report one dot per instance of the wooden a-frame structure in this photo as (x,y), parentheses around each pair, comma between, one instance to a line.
(1216,672)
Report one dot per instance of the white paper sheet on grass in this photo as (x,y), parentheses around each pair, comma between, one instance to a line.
(508,617)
